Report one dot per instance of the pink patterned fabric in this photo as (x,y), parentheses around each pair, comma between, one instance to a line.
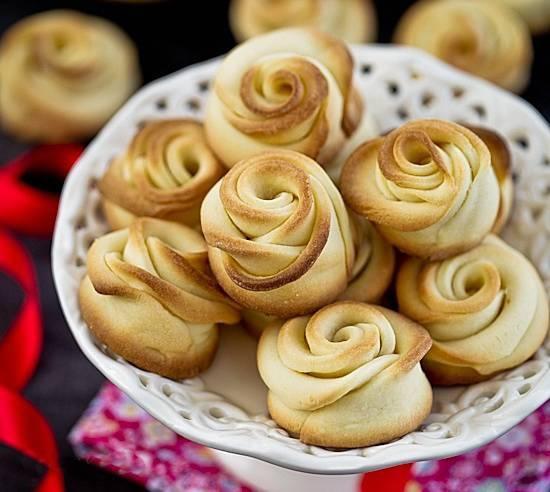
(518,461)
(117,435)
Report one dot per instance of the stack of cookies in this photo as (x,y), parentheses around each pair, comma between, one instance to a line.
(367,277)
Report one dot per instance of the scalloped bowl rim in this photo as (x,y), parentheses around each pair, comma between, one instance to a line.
(249,445)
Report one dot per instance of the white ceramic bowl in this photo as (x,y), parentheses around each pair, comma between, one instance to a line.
(225,407)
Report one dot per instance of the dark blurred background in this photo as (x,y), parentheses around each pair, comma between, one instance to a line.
(169,34)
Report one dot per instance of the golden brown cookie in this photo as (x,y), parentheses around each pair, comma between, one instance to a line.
(486,311)
(279,235)
(288,89)
(353,21)
(374,263)
(149,295)
(347,376)
(256,322)
(535,12)
(63,74)
(165,172)
(501,159)
(479,36)
(428,186)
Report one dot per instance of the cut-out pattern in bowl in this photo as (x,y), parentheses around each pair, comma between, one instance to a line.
(225,407)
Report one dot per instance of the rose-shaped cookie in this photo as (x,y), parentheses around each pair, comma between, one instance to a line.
(478,36)
(367,130)
(166,171)
(279,234)
(288,89)
(63,74)
(374,263)
(501,162)
(486,310)
(256,322)
(535,12)
(351,20)
(429,186)
(150,296)
(348,376)
(370,277)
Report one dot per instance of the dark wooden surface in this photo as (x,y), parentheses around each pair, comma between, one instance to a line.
(169,35)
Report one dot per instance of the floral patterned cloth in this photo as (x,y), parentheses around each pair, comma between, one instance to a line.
(117,435)
(518,461)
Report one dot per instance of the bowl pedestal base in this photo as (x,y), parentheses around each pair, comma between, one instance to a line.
(265,477)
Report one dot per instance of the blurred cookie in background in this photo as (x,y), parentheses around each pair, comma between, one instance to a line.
(535,12)
(63,74)
(353,21)
(482,37)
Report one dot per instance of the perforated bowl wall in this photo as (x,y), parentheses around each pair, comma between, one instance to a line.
(398,84)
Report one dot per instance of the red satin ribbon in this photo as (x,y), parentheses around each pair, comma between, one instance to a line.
(21,425)
(23,428)
(21,346)
(31,211)
(389,480)
(27,209)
